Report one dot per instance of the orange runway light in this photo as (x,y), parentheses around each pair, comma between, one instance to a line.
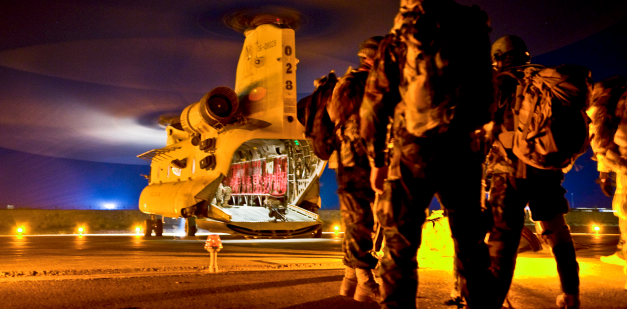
(138,230)
(81,230)
(213,246)
(21,230)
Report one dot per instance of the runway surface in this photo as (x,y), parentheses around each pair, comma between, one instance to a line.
(137,272)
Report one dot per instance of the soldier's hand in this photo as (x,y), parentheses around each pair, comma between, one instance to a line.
(377,178)
(605,184)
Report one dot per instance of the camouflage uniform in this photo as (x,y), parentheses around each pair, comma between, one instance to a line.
(515,185)
(445,161)
(353,172)
(608,133)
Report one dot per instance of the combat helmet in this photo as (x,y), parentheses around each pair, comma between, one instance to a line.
(368,49)
(511,50)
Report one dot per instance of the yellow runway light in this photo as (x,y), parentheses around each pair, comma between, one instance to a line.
(596,229)
(81,230)
(138,230)
(21,230)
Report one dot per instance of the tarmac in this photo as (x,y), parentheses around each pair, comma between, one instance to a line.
(88,257)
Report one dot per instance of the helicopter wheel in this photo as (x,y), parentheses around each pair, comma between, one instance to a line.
(190,226)
(317,233)
(159,228)
(148,228)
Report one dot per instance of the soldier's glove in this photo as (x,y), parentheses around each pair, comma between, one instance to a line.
(605,184)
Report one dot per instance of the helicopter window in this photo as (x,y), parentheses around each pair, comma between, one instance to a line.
(176,171)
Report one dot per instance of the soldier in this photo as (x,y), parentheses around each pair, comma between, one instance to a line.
(434,65)
(608,134)
(331,120)
(353,170)
(514,184)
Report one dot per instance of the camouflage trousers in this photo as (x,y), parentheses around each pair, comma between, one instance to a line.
(356,199)
(421,168)
(543,193)
(622,244)
(619,204)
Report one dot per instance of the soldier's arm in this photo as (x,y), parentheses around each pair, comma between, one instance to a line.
(380,98)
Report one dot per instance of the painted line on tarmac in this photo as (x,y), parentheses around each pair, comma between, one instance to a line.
(161,273)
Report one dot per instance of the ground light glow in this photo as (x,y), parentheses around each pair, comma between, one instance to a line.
(596,229)
(109,206)
(81,230)
(21,230)
(138,230)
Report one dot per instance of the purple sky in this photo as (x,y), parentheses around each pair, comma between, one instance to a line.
(82,82)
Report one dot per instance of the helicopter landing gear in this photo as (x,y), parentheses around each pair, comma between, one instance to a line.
(148,228)
(153,224)
(190,226)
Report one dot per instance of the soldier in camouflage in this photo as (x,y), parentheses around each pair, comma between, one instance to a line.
(608,134)
(353,171)
(445,47)
(514,184)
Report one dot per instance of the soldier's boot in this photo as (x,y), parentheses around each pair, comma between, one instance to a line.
(568,301)
(349,283)
(367,288)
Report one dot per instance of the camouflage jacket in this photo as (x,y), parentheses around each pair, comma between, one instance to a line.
(343,110)
(437,61)
(608,127)
(381,97)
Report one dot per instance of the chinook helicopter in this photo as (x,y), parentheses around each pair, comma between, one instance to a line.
(236,161)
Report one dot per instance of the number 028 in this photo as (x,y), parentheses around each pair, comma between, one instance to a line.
(288,83)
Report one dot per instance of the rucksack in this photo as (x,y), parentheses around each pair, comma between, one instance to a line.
(444,59)
(552,130)
(318,125)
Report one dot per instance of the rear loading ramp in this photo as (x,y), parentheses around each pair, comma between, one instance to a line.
(256,221)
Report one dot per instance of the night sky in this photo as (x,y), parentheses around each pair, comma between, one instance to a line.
(83,82)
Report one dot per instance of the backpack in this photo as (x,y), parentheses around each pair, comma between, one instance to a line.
(444,60)
(552,130)
(318,125)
